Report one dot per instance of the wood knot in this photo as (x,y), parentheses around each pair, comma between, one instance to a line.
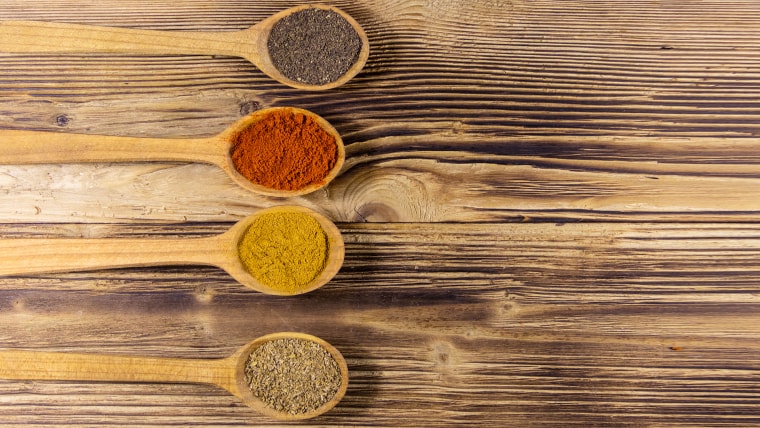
(204,294)
(248,107)
(443,355)
(62,120)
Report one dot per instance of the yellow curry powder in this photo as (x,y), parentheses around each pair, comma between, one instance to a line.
(284,251)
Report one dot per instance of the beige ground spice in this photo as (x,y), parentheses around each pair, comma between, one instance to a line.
(293,375)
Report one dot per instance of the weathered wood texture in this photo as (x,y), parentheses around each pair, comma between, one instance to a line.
(466,111)
(500,324)
(550,211)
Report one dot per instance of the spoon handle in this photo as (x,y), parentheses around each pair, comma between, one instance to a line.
(63,366)
(55,37)
(38,147)
(34,256)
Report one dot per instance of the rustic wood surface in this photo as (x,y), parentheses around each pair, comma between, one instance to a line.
(550,210)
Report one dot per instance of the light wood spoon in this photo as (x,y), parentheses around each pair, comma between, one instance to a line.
(251,43)
(43,147)
(24,256)
(228,373)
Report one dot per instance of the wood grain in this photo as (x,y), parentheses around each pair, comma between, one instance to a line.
(500,324)
(545,109)
(550,213)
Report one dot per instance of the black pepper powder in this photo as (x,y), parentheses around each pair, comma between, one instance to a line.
(313,46)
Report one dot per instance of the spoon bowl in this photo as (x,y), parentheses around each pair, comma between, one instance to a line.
(251,43)
(227,138)
(262,58)
(227,373)
(34,256)
(252,401)
(235,267)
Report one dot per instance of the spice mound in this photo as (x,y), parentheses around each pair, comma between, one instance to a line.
(284,150)
(313,46)
(292,375)
(285,251)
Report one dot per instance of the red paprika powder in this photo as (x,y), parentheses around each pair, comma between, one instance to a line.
(284,150)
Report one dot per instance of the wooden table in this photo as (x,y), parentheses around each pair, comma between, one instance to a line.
(551,212)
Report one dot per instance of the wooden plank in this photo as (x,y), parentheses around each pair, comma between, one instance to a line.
(465,112)
(442,324)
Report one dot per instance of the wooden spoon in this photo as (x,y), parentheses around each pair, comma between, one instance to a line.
(44,255)
(41,147)
(251,43)
(228,373)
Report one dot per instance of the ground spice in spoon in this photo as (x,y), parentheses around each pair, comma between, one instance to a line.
(285,251)
(292,375)
(313,46)
(285,150)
